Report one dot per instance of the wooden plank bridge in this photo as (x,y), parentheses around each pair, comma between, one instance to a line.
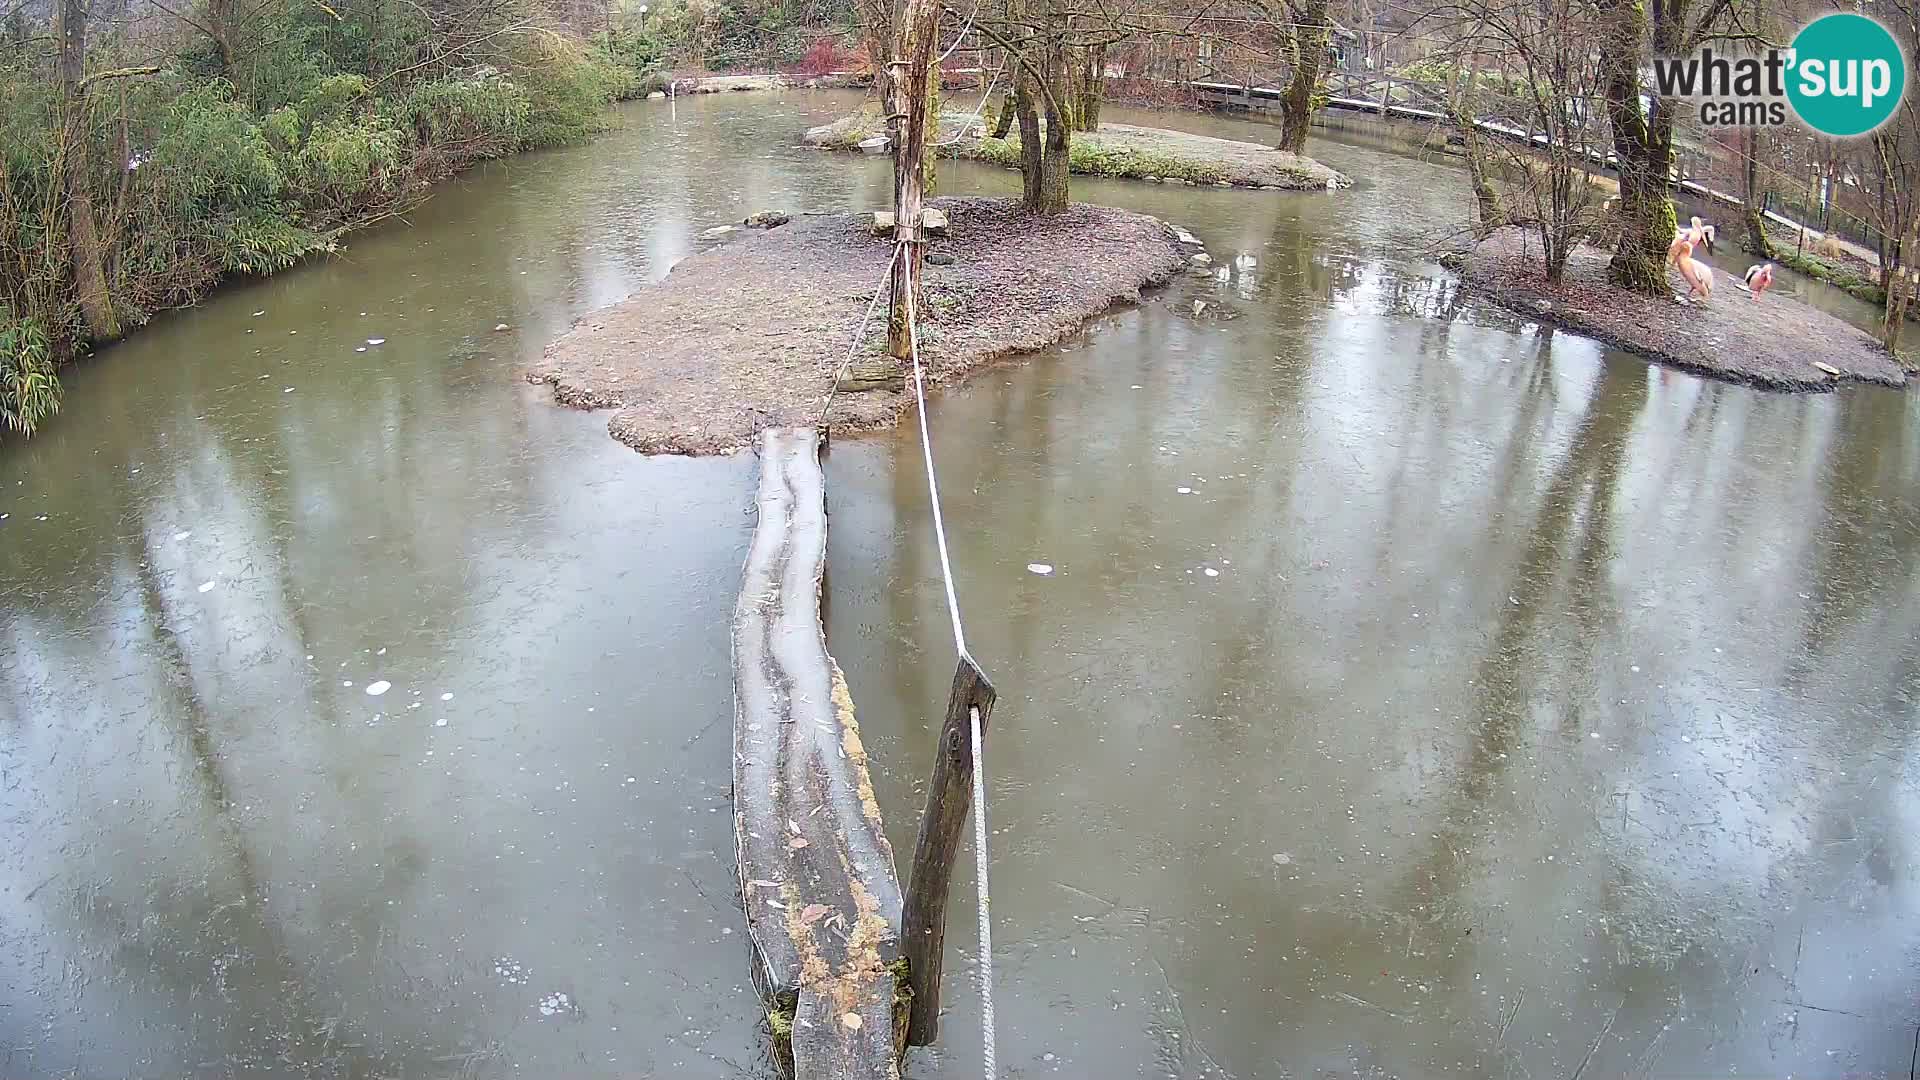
(816,872)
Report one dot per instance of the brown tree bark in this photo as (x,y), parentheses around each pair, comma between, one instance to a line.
(1900,287)
(220,23)
(1643,145)
(1312,30)
(1033,150)
(1754,196)
(876,33)
(83,230)
(913,79)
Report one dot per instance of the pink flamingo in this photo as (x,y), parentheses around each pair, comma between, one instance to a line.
(1698,276)
(1759,279)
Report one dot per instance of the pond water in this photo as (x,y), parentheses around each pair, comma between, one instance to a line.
(1417,691)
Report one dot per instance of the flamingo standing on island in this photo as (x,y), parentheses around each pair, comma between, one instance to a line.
(1759,279)
(1698,233)
(1698,275)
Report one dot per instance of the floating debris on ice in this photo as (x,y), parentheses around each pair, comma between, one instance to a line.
(448,696)
(378,687)
(1043,569)
(361,348)
(179,536)
(257,314)
(509,970)
(207,586)
(288,390)
(555,1004)
(442,722)
(1184,490)
(376,341)
(1282,859)
(1211,572)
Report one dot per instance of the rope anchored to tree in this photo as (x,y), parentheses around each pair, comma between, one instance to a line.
(971,689)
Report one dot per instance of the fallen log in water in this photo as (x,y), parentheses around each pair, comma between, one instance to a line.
(816,872)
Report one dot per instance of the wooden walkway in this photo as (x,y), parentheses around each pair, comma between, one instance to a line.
(817,878)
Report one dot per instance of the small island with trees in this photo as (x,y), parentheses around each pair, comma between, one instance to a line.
(152,152)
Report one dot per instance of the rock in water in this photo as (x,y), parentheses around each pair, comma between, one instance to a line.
(934,221)
(767,219)
(883,222)
(875,145)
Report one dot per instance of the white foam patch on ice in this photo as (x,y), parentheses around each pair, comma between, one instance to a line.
(206,586)
(378,687)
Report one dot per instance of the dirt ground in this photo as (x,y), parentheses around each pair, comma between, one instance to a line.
(748,335)
(1775,342)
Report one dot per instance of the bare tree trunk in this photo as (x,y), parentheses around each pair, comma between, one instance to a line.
(1490,213)
(1052,191)
(876,32)
(1899,277)
(1033,151)
(83,231)
(1311,32)
(220,22)
(913,78)
(1755,196)
(1644,146)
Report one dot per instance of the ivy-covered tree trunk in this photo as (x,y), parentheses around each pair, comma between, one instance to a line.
(1311,32)
(1003,112)
(83,230)
(1090,87)
(1643,145)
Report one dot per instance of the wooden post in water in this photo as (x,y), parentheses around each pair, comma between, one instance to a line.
(910,71)
(923,928)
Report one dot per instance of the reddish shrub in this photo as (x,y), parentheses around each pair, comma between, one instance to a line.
(827,54)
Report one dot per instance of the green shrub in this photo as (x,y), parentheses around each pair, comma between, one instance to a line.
(487,117)
(213,152)
(263,243)
(351,159)
(567,94)
(29,390)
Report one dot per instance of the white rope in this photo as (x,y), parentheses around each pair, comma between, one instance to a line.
(980,883)
(926,450)
(977,111)
(858,336)
(973,711)
(964,31)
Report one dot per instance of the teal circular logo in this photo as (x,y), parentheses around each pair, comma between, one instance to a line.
(1847,75)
